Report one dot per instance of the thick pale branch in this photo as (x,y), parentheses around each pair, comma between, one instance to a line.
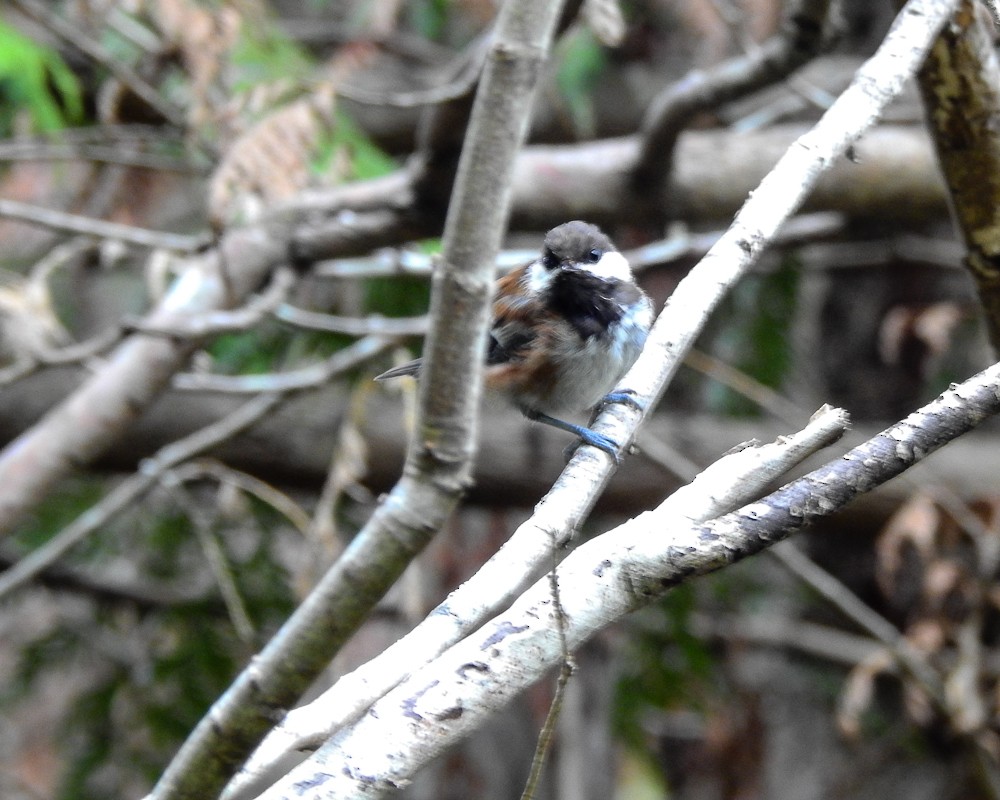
(712,174)
(714,171)
(600,582)
(735,479)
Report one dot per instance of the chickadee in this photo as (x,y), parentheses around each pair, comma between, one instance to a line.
(566,328)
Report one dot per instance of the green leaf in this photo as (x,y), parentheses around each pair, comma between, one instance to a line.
(428,18)
(581,62)
(366,159)
(35,79)
(263,57)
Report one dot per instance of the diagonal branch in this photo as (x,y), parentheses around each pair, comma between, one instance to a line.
(169,457)
(440,456)
(88,226)
(559,515)
(602,581)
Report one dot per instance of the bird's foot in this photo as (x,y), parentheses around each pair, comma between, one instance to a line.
(594,439)
(625,397)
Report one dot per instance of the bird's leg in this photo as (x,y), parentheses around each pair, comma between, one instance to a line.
(587,436)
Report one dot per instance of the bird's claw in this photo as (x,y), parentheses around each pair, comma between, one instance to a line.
(624,397)
(598,440)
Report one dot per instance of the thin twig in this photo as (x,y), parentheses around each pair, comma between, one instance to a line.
(209,468)
(215,322)
(566,670)
(102,154)
(351,326)
(678,246)
(214,554)
(308,377)
(74,223)
(466,70)
(737,380)
(800,39)
(128,491)
(80,351)
(152,469)
(548,730)
(109,587)
(814,576)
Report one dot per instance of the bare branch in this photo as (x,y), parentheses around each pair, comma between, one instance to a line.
(352,326)
(439,461)
(311,376)
(600,582)
(208,468)
(800,39)
(88,226)
(216,322)
(677,246)
(593,600)
(464,72)
(714,171)
(41,150)
(153,469)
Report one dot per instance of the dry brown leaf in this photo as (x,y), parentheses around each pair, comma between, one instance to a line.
(966,702)
(927,636)
(916,336)
(270,162)
(858,692)
(905,547)
(918,705)
(28,323)
(941,580)
(941,557)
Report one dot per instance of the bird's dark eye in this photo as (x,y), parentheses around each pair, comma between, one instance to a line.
(549,260)
(594,256)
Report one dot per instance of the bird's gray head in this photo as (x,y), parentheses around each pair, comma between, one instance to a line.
(579,245)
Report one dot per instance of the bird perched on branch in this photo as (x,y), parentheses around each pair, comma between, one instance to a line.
(566,328)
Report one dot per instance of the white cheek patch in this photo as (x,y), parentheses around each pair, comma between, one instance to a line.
(537,278)
(612,266)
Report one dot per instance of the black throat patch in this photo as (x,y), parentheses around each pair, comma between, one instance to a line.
(589,303)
